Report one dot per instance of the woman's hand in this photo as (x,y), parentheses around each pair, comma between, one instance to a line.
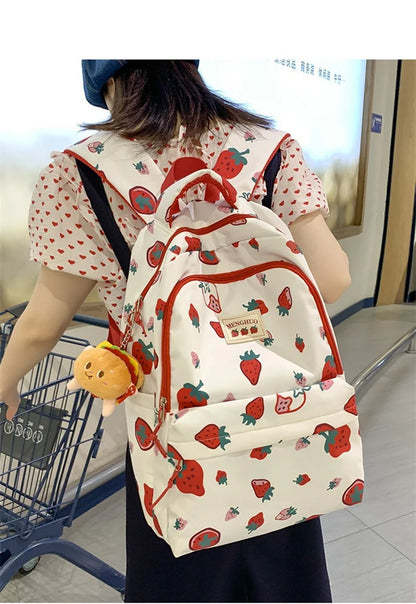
(55,299)
(12,400)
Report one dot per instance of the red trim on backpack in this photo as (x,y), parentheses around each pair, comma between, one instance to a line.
(114,333)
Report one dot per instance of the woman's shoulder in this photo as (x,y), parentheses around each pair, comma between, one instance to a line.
(60,172)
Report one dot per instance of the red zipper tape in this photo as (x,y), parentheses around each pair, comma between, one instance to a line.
(231,277)
(201,231)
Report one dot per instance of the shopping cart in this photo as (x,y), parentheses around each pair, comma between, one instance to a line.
(51,431)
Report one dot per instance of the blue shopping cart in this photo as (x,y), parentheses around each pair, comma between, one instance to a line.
(38,450)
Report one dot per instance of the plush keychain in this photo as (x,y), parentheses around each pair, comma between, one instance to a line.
(107,372)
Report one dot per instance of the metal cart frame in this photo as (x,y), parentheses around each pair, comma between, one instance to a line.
(38,449)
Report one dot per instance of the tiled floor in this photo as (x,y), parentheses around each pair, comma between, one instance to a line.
(370,549)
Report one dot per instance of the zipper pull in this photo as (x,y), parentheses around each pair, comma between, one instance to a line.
(162,409)
(126,337)
(137,315)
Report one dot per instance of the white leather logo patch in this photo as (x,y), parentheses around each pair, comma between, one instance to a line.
(243,328)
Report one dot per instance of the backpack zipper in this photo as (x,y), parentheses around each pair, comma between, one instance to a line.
(135,313)
(224,278)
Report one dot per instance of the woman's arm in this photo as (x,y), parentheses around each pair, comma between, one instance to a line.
(326,259)
(54,301)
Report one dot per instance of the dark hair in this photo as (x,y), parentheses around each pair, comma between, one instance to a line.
(152,97)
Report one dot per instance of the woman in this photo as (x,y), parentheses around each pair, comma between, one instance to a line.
(165,107)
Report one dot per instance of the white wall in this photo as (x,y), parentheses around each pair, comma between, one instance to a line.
(364,249)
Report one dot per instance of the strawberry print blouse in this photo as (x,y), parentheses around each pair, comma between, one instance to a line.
(65,234)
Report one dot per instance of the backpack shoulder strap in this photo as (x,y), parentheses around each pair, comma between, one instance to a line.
(124,166)
(269,178)
(96,194)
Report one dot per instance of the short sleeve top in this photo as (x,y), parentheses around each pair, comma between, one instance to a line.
(65,234)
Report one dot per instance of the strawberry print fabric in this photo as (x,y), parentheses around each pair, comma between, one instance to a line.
(65,235)
(245,423)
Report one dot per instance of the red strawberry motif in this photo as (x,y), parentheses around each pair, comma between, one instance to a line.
(160,309)
(192,396)
(230,162)
(194,316)
(204,539)
(173,456)
(255,522)
(284,301)
(221,477)
(142,200)
(350,406)
(254,411)
(175,249)
(250,366)
(256,305)
(141,352)
(302,479)
(217,328)
(329,370)
(354,493)
(323,428)
(154,254)
(293,247)
(144,434)
(214,303)
(299,343)
(337,440)
(194,244)
(262,489)
(190,478)
(283,404)
(208,257)
(254,244)
(261,452)
(213,436)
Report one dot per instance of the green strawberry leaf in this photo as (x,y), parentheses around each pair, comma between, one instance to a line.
(223,437)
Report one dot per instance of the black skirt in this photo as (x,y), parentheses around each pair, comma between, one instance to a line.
(284,566)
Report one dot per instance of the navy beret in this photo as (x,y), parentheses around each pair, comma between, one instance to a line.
(95,74)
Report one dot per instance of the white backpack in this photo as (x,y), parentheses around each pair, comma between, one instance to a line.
(245,423)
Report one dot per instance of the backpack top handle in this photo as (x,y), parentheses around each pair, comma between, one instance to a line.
(179,189)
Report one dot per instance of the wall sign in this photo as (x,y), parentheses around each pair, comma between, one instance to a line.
(376,121)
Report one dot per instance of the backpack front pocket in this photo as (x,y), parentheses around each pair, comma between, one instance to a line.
(254,466)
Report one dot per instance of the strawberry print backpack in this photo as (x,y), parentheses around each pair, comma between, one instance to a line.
(245,423)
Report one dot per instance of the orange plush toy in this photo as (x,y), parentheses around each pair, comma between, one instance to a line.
(107,372)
